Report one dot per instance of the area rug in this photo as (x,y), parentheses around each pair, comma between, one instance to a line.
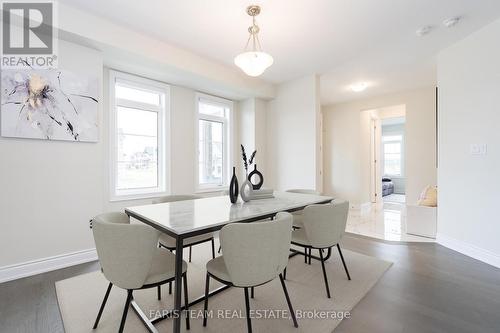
(79,298)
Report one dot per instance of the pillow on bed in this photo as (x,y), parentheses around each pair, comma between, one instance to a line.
(428,197)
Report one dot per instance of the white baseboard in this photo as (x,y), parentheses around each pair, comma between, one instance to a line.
(469,250)
(17,271)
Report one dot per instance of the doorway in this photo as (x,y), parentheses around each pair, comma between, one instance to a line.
(387,142)
(392,158)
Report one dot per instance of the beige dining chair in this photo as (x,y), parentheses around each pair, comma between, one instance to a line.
(253,254)
(297,215)
(130,259)
(169,242)
(323,227)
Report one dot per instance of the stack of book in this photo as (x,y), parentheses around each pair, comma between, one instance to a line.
(265,193)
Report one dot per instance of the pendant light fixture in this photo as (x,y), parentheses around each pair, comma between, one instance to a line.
(253,61)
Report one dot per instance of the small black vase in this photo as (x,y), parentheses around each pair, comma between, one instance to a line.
(257,173)
(233,187)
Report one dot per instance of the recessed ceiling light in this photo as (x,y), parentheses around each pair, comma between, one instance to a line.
(423,31)
(359,87)
(451,22)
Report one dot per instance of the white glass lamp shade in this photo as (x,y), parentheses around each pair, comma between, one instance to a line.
(253,63)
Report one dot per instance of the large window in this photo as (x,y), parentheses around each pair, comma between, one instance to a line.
(137,127)
(393,155)
(213,146)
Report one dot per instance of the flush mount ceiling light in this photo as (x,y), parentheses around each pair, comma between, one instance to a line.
(253,61)
(451,22)
(358,87)
(423,31)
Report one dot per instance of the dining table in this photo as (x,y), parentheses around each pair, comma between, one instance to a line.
(188,218)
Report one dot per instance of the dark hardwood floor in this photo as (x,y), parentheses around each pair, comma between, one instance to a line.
(428,289)
(30,304)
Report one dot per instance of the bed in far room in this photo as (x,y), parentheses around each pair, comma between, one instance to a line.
(387,186)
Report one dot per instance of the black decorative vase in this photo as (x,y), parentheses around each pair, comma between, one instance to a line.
(233,187)
(256,173)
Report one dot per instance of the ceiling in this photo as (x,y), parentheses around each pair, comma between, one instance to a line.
(344,41)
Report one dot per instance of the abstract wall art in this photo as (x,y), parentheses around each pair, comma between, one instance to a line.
(49,105)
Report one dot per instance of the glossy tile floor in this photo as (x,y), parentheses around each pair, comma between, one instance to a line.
(401,198)
(386,222)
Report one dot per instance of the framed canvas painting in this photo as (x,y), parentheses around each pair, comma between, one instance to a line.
(49,105)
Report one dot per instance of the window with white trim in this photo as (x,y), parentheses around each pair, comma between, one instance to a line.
(213,126)
(138,121)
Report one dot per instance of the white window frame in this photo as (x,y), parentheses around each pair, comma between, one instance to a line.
(227,155)
(402,153)
(163,134)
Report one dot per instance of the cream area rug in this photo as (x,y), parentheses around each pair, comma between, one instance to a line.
(80,298)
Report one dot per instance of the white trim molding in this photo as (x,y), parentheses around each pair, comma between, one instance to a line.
(34,267)
(469,250)
(227,122)
(162,110)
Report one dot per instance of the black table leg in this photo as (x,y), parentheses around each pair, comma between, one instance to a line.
(178,285)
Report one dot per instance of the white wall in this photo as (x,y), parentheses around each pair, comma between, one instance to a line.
(347,154)
(293,134)
(252,134)
(261,136)
(469,113)
(51,189)
(246,110)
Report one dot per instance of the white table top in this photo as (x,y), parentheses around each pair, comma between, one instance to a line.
(183,217)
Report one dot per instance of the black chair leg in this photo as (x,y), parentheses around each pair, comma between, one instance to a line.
(290,307)
(247,304)
(205,307)
(159,293)
(190,251)
(310,255)
(305,255)
(220,249)
(125,311)
(213,248)
(343,262)
(324,274)
(102,305)
(284,273)
(252,292)
(170,283)
(186,299)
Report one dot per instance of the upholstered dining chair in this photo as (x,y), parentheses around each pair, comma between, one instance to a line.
(297,216)
(323,227)
(168,242)
(253,254)
(130,259)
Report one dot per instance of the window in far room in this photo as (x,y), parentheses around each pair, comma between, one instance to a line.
(213,142)
(393,150)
